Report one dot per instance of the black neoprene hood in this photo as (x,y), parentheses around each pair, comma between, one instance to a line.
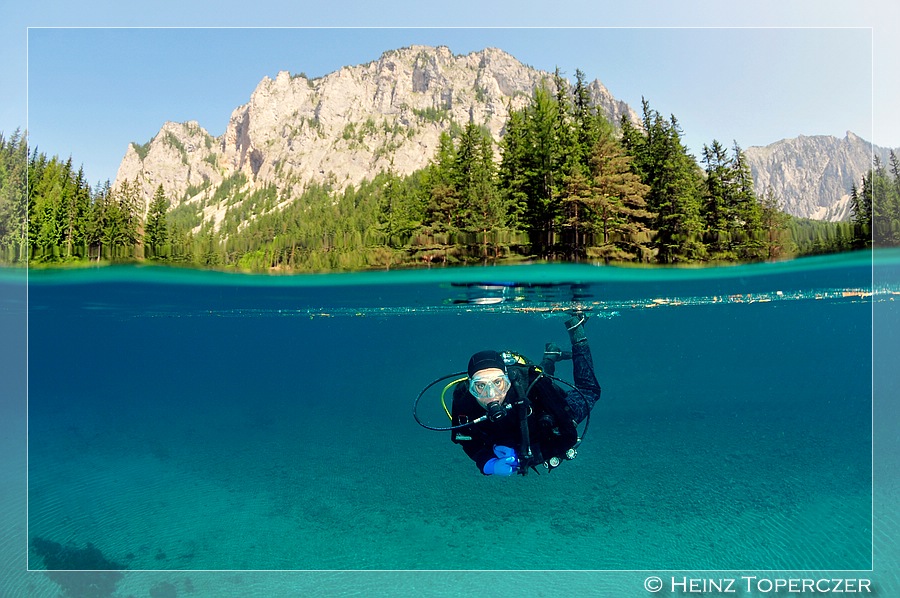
(484,360)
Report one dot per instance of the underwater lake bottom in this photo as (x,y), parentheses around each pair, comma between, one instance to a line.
(206,422)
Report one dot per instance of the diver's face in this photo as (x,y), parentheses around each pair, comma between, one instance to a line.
(489,386)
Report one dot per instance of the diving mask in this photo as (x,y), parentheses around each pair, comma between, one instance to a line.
(489,387)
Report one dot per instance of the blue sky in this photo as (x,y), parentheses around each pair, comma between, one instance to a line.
(104,75)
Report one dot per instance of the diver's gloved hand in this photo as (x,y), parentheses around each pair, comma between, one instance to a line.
(553,352)
(505,463)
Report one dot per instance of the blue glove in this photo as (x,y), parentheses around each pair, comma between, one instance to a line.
(505,463)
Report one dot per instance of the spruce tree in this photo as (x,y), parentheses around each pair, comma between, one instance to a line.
(579,202)
(864,217)
(585,117)
(48,185)
(717,207)
(513,168)
(569,150)
(620,203)
(542,172)
(774,224)
(80,216)
(894,201)
(731,210)
(879,192)
(13,198)
(748,228)
(664,164)
(156,229)
(476,185)
(94,232)
(442,210)
(125,219)
(895,171)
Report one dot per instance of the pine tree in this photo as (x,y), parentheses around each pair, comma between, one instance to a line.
(442,210)
(892,203)
(156,230)
(731,210)
(634,142)
(114,233)
(13,198)
(879,192)
(46,211)
(182,243)
(79,216)
(541,171)
(747,223)
(210,251)
(895,171)
(476,185)
(123,221)
(400,209)
(536,153)
(774,224)
(390,220)
(569,150)
(585,118)
(97,222)
(513,168)
(620,203)
(578,200)
(664,164)
(717,209)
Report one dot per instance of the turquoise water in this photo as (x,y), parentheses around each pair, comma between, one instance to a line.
(202,421)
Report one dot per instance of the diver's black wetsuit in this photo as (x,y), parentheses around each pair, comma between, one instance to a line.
(552,423)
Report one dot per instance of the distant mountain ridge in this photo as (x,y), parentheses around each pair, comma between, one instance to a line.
(389,114)
(814,175)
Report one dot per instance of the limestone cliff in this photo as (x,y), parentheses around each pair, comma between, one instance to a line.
(181,156)
(346,126)
(389,114)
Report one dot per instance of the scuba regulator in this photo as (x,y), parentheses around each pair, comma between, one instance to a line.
(496,411)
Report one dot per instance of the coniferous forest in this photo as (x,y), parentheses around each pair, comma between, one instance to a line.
(563,184)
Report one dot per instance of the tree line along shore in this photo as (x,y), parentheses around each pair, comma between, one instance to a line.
(566,185)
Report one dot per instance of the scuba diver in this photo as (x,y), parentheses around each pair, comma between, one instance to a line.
(511,415)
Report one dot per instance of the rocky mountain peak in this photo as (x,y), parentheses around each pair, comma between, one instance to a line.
(181,155)
(388,114)
(346,126)
(813,175)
